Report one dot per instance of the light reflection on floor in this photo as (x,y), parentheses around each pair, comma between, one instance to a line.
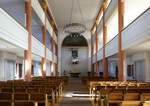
(71,94)
(76,94)
(68,94)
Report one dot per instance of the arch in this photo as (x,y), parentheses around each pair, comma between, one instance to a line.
(74,40)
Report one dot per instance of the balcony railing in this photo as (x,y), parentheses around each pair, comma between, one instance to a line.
(11,31)
(40,13)
(14,33)
(136,32)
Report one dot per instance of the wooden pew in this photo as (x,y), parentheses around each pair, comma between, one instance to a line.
(5,99)
(18,103)
(146,104)
(7,89)
(129,93)
(5,96)
(115,98)
(145,96)
(50,86)
(20,90)
(5,103)
(39,98)
(131,99)
(21,97)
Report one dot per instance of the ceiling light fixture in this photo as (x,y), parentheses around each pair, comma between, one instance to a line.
(75,27)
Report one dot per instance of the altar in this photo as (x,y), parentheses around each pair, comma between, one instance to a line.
(74,74)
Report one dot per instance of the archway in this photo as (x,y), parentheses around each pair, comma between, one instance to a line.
(74,55)
(74,40)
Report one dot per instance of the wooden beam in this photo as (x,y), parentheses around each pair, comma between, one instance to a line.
(121,54)
(55,30)
(44,58)
(43,62)
(51,17)
(56,64)
(104,4)
(53,68)
(47,9)
(98,15)
(43,66)
(105,61)
(28,53)
(92,71)
(45,5)
(57,58)
(97,40)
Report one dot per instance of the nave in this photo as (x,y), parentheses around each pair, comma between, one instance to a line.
(75,94)
(75,91)
(74,52)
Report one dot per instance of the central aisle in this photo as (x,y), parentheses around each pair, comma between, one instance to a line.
(75,94)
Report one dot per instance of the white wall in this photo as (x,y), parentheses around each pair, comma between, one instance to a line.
(112,67)
(19,60)
(67,60)
(12,31)
(112,24)
(37,69)
(1,69)
(37,47)
(6,70)
(131,59)
(100,66)
(61,37)
(137,32)
(48,69)
(100,39)
(133,8)
(142,56)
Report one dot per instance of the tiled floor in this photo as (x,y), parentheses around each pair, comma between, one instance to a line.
(76,94)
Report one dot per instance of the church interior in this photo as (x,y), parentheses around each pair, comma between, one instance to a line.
(74,52)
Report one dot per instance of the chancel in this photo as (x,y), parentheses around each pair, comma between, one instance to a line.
(74,53)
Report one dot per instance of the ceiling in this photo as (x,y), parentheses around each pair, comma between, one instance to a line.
(61,10)
(10,48)
(139,48)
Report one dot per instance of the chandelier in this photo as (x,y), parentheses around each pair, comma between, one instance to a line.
(75,27)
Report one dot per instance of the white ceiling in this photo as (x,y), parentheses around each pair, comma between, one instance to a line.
(8,47)
(139,48)
(61,10)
